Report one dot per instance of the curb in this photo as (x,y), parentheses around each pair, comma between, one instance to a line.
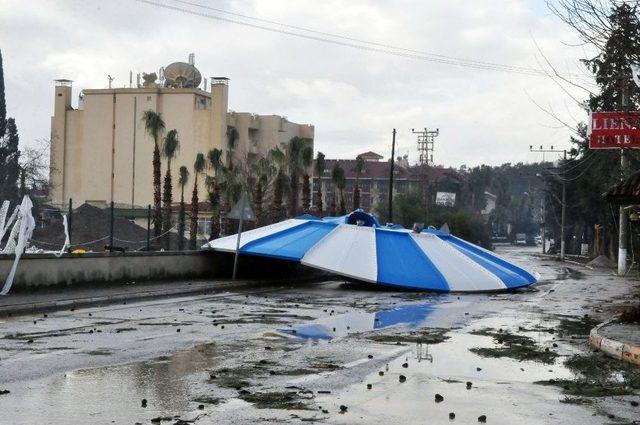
(616,349)
(203,289)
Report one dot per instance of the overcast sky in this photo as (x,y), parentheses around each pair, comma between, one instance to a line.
(353,97)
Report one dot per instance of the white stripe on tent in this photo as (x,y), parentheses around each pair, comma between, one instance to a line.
(460,272)
(348,250)
(228,243)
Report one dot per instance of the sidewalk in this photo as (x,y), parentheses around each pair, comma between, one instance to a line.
(73,297)
(618,340)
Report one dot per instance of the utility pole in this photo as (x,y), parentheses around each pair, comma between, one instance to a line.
(426,141)
(564,193)
(393,159)
(624,170)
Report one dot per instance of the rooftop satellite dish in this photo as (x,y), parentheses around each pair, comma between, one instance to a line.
(182,75)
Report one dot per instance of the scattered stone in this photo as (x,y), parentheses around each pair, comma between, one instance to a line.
(402,378)
(369,386)
(452,415)
(482,418)
(212,376)
(144,402)
(324,392)
(34,322)
(405,365)
(334,329)
(267,348)
(343,408)
(370,356)
(381,373)
(469,385)
(89,314)
(178,330)
(325,411)
(30,341)
(201,407)
(44,315)
(272,372)
(221,326)
(611,416)
(478,369)
(632,402)
(3,392)
(554,345)
(439,398)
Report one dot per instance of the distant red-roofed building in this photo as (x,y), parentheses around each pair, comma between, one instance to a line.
(374,181)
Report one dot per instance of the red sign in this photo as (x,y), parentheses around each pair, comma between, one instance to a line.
(614,130)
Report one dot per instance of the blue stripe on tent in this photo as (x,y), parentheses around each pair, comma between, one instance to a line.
(401,262)
(291,243)
(511,275)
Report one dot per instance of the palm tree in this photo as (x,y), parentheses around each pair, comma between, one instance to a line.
(337,175)
(318,171)
(214,158)
(263,170)
(279,158)
(198,168)
(154,125)
(307,161)
(169,150)
(294,156)
(356,188)
(232,141)
(182,181)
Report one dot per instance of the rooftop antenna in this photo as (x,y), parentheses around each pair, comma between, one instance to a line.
(110,80)
(130,78)
(192,58)
(426,140)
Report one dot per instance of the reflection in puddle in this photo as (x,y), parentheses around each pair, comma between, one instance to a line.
(411,316)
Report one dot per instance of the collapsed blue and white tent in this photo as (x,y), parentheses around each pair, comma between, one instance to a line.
(357,246)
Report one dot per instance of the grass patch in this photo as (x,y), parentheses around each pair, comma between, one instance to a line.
(597,376)
(423,336)
(518,347)
(205,399)
(576,400)
(578,326)
(276,400)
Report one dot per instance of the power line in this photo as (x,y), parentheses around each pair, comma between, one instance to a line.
(401,52)
(359,40)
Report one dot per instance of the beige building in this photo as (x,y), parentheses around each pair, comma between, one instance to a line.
(100,151)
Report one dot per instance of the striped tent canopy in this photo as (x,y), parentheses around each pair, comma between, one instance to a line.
(357,246)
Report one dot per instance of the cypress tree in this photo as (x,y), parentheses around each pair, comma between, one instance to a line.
(3,104)
(11,165)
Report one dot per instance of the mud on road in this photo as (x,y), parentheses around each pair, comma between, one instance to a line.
(330,352)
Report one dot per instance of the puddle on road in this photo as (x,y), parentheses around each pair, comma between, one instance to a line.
(103,395)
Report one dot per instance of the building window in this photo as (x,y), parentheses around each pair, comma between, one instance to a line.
(204,226)
(148,98)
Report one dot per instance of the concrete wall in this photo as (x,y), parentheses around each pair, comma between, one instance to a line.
(43,270)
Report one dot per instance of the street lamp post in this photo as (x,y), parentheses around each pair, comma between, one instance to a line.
(564,193)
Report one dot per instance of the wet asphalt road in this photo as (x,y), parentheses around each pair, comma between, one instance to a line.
(297,354)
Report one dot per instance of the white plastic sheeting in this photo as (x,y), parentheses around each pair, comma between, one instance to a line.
(19,236)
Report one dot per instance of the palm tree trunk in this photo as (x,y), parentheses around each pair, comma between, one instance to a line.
(215,213)
(278,192)
(293,196)
(167,200)
(181,219)
(157,197)
(319,197)
(306,193)
(258,202)
(343,209)
(193,230)
(356,197)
